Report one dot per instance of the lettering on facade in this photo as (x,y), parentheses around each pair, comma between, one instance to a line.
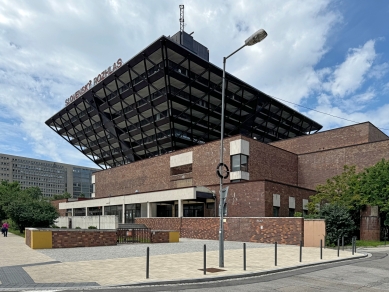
(96,80)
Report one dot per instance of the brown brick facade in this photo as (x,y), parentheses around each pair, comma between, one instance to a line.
(55,203)
(332,139)
(83,238)
(159,236)
(265,162)
(316,168)
(370,225)
(264,230)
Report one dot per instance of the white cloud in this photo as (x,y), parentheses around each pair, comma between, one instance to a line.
(49,49)
(349,76)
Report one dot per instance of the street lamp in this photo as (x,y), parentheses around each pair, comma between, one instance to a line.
(252,40)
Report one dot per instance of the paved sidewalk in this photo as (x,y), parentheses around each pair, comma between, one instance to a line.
(22,267)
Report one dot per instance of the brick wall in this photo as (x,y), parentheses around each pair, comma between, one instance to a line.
(83,238)
(264,230)
(341,137)
(27,235)
(159,236)
(316,168)
(370,224)
(285,191)
(265,162)
(56,205)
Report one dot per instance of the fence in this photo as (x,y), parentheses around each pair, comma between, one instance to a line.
(133,235)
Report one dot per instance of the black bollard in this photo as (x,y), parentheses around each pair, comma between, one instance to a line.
(205,259)
(321,249)
(338,246)
(275,253)
(343,243)
(352,245)
(301,251)
(244,256)
(147,262)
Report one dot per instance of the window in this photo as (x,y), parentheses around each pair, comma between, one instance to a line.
(276,211)
(239,162)
(291,212)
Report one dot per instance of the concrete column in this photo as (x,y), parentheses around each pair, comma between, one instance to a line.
(148,209)
(180,208)
(123,214)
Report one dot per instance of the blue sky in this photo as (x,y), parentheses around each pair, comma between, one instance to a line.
(320,56)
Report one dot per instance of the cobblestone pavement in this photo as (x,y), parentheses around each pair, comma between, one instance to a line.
(23,267)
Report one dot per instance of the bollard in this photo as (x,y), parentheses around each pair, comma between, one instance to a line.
(244,256)
(343,243)
(301,250)
(205,259)
(275,253)
(338,246)
(321,249)
(352,245)
(147,262)
(355,244)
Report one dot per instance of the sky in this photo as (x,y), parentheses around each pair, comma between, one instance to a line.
(327,59)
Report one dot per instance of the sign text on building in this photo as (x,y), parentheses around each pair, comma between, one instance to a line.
(96,80)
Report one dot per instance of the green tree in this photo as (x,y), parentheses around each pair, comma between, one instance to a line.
(65,195)
(8,191)
(343,189)
(374,182)
(29,212)
(338,223)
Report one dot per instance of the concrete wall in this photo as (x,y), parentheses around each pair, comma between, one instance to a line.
(264,229)
(106,221)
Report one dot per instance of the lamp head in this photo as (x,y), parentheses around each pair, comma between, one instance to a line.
(256,37)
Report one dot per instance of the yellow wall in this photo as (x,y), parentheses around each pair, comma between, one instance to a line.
(174,236)
(41,239)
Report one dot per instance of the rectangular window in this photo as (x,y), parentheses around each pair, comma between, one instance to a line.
(239,162)
(291,212)
(276,211)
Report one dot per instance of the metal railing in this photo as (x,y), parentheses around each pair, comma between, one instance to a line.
(133,235)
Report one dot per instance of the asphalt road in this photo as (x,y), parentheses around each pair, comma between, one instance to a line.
(367,274)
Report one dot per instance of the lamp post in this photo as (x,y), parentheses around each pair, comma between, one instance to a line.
(252,40)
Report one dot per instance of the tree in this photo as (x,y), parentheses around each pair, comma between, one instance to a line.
(29,212)
(338,223)
(374,182)
(343,189)
(8,191)
(65,195)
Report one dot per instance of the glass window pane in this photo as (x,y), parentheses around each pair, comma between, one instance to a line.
(244,163)
(235,163)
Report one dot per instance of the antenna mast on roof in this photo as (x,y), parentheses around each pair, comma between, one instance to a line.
(181,18)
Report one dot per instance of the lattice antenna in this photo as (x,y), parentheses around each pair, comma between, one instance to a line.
(181,18)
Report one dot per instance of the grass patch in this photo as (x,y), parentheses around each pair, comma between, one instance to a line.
(16,232)
(373,243)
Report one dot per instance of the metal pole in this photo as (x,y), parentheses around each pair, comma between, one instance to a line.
(205,259)
(147,262)
(275,253)
(343,243)
(352,245)
(244,256)
(338,246)
(301,251)
(355,244)
(221,203)
(321,249)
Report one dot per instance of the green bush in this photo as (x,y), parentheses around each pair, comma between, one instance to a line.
(78,227)
(54,226)
(338,223)
(92,227)
(298,214)
(63,227)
